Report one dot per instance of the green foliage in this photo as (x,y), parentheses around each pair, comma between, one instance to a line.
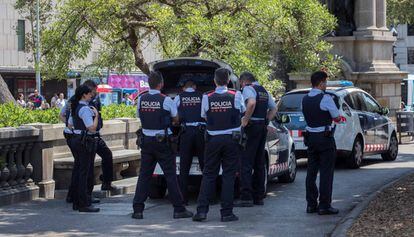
(243,33)
(14,116)
(400,12)
(118,111)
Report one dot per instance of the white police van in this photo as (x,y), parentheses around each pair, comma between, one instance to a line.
(367,129)
(280,155)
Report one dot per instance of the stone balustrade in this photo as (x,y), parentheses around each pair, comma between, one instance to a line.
(34,159)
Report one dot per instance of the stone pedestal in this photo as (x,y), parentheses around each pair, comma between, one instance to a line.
(368,55)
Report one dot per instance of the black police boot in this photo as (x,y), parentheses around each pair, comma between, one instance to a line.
(137,215)
(183,214)
(107,186)
(95,200)
(258,202)
(312,209)
(75,207)
(229,218)
(243,203)
(89,209)
(328,211)
(69,199)
(199,217)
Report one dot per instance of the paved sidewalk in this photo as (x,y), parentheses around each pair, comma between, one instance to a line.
(283,213)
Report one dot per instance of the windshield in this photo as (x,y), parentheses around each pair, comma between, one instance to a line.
(291,103)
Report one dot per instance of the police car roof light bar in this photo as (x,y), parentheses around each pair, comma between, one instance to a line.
(341,83)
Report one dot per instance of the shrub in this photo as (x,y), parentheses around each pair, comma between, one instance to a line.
(14,116)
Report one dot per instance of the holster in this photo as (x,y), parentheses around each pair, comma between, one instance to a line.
(140,137)
(305,135)
(240,137)
(88,142)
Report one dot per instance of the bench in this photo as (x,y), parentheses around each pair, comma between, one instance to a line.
(126,164)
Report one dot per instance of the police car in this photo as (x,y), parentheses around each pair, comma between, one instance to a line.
(280,155)
(366,131)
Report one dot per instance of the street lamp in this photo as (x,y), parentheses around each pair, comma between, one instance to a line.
(37,58)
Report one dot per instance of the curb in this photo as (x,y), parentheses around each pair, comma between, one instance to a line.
(348,220)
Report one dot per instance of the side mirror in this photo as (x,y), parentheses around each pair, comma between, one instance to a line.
(284,118)
(384,111)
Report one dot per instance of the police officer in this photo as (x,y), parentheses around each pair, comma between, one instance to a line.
(102,149)
(319,111)
(192,131)
(157,112)
(260,108)
(222,109)
(85,122)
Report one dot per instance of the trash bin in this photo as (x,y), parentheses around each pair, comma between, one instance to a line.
(405,124)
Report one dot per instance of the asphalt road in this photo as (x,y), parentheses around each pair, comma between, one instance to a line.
(282,215)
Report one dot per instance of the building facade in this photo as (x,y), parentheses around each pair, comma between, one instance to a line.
(404,58)
(17,65)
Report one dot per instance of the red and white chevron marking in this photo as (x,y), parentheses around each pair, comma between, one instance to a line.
(375,147)
(276,168)
(296,134)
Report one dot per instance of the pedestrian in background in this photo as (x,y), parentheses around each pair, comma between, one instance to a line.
(260,109)
(60,102)
(37,99)
(319,111)
(21,101)
(53,100)
(222,110)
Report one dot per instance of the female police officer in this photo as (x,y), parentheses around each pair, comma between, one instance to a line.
(85,122)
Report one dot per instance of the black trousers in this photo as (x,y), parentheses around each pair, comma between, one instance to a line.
(191,144)
(253,159)
(107,162)
(83,174)
(220,150)
(68,138)
(321,157)
(153,152)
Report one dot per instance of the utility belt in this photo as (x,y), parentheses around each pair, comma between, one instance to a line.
(238,136)
(327,133)
(67,135)
(201,127)
(170,140)
(88,141)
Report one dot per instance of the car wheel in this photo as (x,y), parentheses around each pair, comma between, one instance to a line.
(290,176)
(392,152)
(158,188)
(355,159)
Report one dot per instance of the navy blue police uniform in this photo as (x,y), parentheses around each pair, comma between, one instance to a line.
(319,109)
(155,111)
(222,109)
(253,184)
(192,136)
(84,153)
(103,150)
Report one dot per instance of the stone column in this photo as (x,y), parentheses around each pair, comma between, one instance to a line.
(365,14)
(381,14)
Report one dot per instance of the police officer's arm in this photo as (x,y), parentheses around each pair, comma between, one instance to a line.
(86,114)
(204,107)
(176,103)
(328,104)
(272,108)
(249,94)
(170,106)
(250,106)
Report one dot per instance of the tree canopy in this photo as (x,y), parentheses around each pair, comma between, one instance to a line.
(244,33)
(400,12)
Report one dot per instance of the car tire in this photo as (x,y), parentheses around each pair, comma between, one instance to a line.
(158,188)
(392,152)
(289,177)
(355,158)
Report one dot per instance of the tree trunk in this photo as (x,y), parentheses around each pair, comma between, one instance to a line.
(5,95)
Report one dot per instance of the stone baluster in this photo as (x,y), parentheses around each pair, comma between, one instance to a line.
(5,173)
(12,165)
(19,164)
(27,162)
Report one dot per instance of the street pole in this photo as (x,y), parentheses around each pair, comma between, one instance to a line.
(37,59)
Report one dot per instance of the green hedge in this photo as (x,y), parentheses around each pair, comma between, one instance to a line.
(14,116)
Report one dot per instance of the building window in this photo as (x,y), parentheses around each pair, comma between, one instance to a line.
(21,35)
(410,30)
(410,55)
